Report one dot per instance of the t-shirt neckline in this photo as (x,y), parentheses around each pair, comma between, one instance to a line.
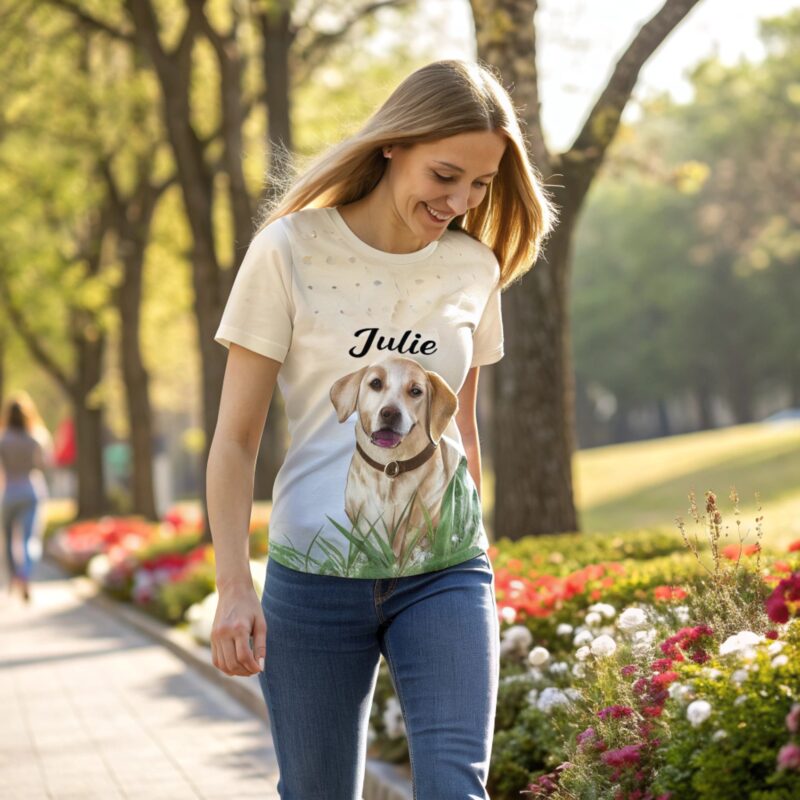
(373,252)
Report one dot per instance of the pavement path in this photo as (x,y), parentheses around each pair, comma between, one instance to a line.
(91,708)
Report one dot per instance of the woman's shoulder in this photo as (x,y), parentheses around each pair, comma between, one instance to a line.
(459,244)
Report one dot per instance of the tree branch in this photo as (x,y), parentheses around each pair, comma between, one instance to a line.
(90,20)
(603,121)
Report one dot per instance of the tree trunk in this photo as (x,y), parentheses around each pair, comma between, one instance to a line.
(534,402)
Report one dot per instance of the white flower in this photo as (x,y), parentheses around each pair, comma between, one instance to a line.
(573,694)
(739,641)
(780,660)
(508,613)
(582,653)
(740,676)
(631,619)
(393,718)
(711,672)
(579,670)
(603,646)
(538,656)
(675,689)
(681,692)
(593,618)
(606,609)
(742,698)
(98,567)
(516,640)
(551,697)
(775,648)
(682,613)
(563,629)
(698,711)
(719,734)
(533,694)
(559,667)
(582,637)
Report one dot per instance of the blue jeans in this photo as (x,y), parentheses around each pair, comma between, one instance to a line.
(439,633)
(20,504)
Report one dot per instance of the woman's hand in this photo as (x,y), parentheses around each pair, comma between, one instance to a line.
(239,616)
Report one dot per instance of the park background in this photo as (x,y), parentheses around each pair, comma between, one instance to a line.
(651,353)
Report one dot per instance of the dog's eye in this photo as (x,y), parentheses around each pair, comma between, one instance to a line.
(416,391)
(375,383)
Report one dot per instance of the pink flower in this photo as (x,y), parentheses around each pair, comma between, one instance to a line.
(628,670)
(622,756)
(615,712)
(789,756)
(793,719)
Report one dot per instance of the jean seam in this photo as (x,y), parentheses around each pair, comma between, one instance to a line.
(405,717)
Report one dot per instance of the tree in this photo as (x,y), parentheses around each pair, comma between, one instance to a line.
(534,395)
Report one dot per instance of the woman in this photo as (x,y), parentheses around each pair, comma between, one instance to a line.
(25,447)
(371,295)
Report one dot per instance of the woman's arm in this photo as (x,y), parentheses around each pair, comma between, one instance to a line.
(247,391)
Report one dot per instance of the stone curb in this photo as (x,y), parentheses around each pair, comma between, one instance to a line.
(382,781)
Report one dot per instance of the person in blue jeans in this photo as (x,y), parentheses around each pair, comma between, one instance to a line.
(24,455)
(371,296)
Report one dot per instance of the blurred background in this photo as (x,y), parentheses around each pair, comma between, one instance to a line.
(138,139)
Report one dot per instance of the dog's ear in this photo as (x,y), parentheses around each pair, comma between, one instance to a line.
(344,393)
(442,404)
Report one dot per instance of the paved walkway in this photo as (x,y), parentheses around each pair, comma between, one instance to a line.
(92,709)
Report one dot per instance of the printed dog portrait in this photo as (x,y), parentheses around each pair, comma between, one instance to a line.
(402,412)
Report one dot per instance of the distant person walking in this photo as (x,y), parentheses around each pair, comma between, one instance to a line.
(25,452)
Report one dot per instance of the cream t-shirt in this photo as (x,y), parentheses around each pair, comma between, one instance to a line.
(375,347)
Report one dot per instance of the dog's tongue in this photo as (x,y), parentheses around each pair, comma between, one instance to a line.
(385,438)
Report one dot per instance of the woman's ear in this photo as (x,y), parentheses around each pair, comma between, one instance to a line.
(387,151)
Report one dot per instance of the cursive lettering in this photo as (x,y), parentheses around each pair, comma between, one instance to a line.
(371,337)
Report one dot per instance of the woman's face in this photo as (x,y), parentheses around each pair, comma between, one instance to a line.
(432,182)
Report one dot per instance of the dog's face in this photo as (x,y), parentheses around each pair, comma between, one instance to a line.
(395,397)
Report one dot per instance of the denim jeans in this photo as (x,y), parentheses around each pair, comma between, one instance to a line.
(20,505)
(439,633)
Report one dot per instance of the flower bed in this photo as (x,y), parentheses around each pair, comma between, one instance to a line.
(641,678)
(163,567)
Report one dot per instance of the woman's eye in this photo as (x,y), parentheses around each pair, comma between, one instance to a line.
(449,178)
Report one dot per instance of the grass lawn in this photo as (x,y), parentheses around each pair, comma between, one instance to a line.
(647,483)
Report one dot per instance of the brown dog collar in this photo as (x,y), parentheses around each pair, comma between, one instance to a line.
(394,468)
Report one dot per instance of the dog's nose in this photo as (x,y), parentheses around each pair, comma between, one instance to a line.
(389,414)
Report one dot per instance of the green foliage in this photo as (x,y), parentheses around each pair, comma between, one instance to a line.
(172,599)
(733,753)
(563,553)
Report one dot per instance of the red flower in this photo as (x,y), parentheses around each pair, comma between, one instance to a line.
(665,678)
(794,547)
(669,593)
(615,712)
(785,598)
(735,551)
(622,756)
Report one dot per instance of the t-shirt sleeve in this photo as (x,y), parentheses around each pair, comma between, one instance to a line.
(259,311)
(487,338)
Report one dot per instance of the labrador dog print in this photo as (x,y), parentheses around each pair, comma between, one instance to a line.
(409,499)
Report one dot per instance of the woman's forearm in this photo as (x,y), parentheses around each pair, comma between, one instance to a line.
(229,494)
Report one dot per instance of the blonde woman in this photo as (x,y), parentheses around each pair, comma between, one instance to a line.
(25,452)
(371,295)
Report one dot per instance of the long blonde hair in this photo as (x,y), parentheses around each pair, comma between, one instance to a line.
(441,99)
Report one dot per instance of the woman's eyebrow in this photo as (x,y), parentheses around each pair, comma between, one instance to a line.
(460,169)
